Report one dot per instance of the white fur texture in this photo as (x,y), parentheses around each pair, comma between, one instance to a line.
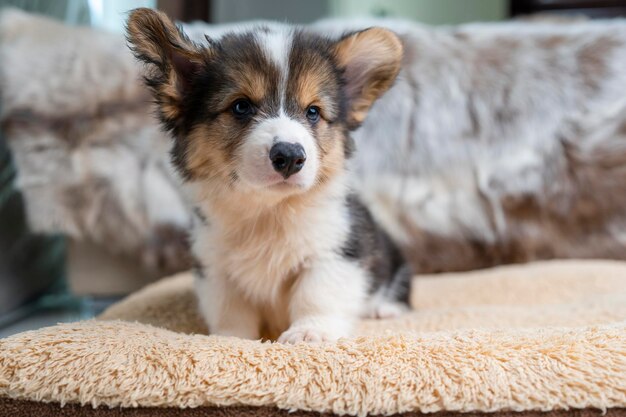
(276,42)
(277,265)
(92,162)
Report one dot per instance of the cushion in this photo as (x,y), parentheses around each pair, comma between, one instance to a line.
(531,339)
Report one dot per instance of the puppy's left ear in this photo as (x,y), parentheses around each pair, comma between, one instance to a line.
(371,60)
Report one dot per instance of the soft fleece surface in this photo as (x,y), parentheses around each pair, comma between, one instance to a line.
(543,337)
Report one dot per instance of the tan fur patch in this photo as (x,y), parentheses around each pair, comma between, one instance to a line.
(331,145)
(372,60)
(250,84)
(309,92)
(552,42)
(308,89)
(497,56)
(206,157)
(593,60)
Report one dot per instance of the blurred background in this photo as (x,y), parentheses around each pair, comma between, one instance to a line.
(110,14)
(42,274)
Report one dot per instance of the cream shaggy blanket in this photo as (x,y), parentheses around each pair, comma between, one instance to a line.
(546,336)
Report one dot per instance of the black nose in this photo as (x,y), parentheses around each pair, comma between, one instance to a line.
(287,158)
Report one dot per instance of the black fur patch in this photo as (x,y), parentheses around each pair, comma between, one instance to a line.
(373,249)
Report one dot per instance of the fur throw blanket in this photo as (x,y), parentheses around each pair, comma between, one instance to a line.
(92,162)
(499,143)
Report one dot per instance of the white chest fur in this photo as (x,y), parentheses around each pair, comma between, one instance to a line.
(279,267)
(261,251)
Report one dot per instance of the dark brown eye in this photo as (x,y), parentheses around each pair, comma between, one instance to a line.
(313,113)
(242,108)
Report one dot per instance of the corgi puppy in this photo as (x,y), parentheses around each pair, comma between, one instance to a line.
(261,123)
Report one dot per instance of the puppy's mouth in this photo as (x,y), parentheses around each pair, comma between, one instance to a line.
(288,184)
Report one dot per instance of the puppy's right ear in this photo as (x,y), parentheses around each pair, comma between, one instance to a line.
(155,40)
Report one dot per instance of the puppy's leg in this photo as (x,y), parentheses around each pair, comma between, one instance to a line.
(381,306)
(226,312)
(391,299)
(325,301)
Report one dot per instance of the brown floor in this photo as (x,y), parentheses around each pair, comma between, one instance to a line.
(18,408)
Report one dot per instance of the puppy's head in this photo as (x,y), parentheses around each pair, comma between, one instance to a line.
(267,110)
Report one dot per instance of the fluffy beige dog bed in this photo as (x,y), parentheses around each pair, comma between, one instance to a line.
(525,340)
